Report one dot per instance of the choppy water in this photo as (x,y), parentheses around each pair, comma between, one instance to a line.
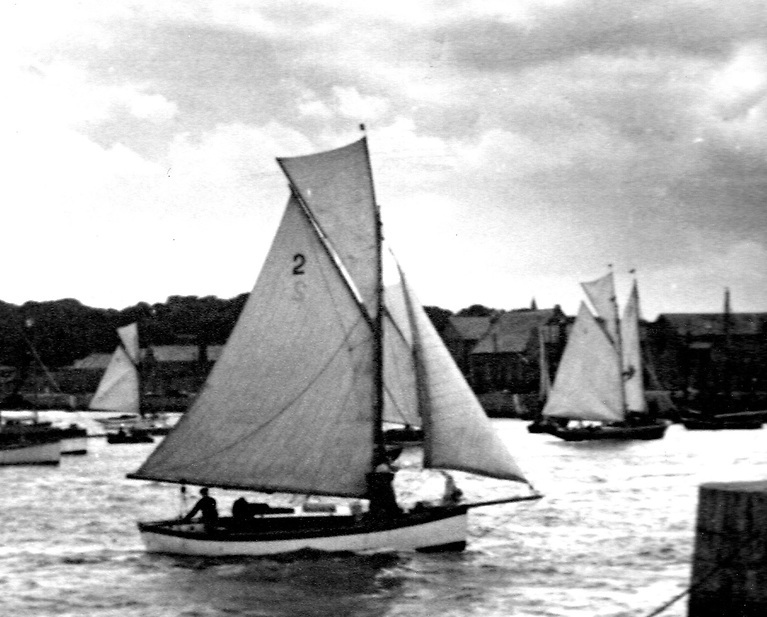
(612,537)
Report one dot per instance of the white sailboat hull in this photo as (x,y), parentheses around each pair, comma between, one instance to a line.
(444,531)
(31,454)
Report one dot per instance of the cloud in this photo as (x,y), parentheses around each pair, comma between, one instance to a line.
(552,32)
(526,143)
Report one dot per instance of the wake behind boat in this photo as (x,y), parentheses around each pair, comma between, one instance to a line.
(321,356)
(599,382)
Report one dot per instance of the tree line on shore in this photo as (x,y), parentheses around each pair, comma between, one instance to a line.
(58,332)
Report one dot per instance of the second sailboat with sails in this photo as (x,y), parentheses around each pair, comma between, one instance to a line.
(598,390)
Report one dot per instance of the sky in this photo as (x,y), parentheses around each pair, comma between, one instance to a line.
(518,148)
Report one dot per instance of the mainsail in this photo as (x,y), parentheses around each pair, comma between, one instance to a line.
(587,385)
(290,404)
(287,406)
(118,389)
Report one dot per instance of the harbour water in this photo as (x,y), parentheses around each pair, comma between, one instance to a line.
(613,536)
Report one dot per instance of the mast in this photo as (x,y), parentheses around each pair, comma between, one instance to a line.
(379,447)
(142,370)
(727,386)
(376,298)
(544,379)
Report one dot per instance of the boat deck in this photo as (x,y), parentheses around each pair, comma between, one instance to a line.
(298,524)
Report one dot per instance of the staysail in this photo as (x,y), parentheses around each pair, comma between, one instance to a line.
(587,385)
(457,432)
(400,369)
(118,389)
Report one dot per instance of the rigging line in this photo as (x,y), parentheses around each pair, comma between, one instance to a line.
(41,363)
(335,304)
(703,579)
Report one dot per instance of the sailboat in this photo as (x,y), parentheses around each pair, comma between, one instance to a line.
(120,391)
(28,440)
(22,442)
(599,381)
(722,411)
(322,354)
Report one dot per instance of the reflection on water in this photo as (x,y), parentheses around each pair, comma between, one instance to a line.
(612,537)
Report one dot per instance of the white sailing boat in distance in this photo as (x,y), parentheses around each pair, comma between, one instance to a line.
(320,357)
(599,379)
(118,389)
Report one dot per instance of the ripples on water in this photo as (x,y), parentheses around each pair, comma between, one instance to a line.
(613,536)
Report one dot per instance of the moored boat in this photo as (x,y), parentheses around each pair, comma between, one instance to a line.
(694,420)
(24,452)
(73,438)
(25,441)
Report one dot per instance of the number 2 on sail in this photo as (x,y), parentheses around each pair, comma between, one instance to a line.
(299,261)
